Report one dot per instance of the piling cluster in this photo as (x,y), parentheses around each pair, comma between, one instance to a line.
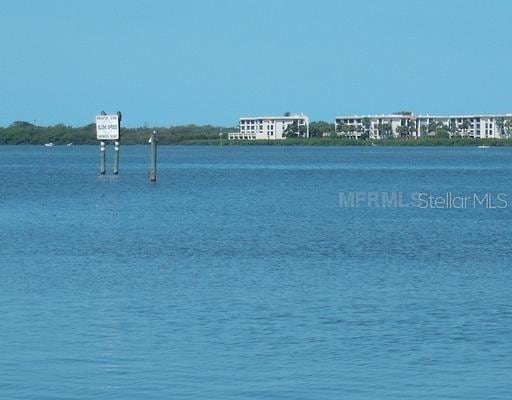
(108,128)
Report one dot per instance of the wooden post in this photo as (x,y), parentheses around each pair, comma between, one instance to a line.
(103,155)
(152,169)
(117,143)
(116,158)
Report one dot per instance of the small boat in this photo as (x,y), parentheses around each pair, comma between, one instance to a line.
(48,144)
(69,144)
(483,146)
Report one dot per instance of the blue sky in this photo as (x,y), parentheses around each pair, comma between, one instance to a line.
(174,62)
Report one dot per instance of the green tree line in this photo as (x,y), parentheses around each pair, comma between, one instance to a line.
(321,134)
(21,132)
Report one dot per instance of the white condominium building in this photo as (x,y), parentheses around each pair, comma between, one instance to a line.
(271,128)
(410,125)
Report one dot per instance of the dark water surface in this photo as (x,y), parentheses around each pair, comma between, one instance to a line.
(239,276)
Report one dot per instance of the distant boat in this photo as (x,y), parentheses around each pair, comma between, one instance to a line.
(483,146)
(69,144)
(48,144)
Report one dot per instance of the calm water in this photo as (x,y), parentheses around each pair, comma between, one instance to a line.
(239,276)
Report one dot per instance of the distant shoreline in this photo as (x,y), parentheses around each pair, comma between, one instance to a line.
(312,142)
(23,133)
(420,142)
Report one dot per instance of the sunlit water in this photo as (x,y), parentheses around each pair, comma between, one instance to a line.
(239,276)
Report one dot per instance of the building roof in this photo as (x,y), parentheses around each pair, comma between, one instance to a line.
(291,117)
(396,116)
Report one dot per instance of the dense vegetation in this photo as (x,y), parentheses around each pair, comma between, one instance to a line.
(342,141)
(25,133)
(21,132)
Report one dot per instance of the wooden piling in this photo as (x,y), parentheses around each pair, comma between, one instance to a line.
(103,156)
(152,145)
(116,158)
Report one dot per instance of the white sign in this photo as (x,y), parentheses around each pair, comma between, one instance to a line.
(107,127)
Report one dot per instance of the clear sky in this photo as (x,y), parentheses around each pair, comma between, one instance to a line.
(198,61)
